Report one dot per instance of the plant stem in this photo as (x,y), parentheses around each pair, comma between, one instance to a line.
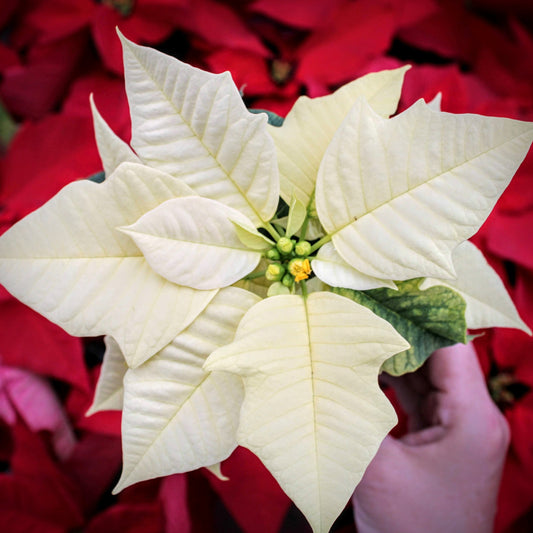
(273,233)
(320,243)
(303,286)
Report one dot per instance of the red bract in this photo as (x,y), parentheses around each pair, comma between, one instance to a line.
(30,341)
(93,466)
(110,99)
(298,13)
(129,518)
(79,401)
(35,487)
(251,494)
(142,21)
(42,158)
(173,495)
(508,236)
(461,93)
(330,44)
(218,25)
(515,498)
(50,68)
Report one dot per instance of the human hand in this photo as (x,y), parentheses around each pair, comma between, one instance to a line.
(443,475)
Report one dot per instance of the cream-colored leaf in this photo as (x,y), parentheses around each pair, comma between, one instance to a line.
(194,126)
(297,215)
(193,242)
(216,470)
(487,302)
(436,102)
(332,269)
(313,411)
(251,238)
(177,416)
(314,228)
(398,195)
(109,393)
(68,261)
(112,149)
(310,125)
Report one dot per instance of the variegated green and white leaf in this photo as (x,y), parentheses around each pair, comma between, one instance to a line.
(68,261)
(177,416)
(487,302)
(332,269)
(193,242)
(313,411)
(112,149)
(109,393)
(194,126)
(310,125)
(409,189)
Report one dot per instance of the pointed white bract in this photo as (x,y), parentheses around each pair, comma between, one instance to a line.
(192,242)
(177,416)
(332,269)
(488,304)
(68,261)
(112,149)
(409,189)
(310,125)
(194,126)
(313,410)
(109,393)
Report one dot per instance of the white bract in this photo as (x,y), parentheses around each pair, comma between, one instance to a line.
(218,332)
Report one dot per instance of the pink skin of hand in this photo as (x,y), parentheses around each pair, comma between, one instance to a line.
(443,476)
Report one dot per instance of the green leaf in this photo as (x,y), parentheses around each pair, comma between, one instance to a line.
(251,238)
(8,127)
(97,177)
(427,319)
(487,302)
(297,216)
(273,119)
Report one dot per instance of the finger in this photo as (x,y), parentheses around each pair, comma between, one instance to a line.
(455,369)
(425,436)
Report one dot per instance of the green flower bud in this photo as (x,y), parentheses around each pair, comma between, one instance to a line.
(287,280)
(285,245)
(302,248)
(273,254)
(274,272)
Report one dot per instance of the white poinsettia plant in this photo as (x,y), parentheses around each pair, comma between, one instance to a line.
(253,276)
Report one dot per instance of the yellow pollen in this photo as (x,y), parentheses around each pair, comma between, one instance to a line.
(300,269)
